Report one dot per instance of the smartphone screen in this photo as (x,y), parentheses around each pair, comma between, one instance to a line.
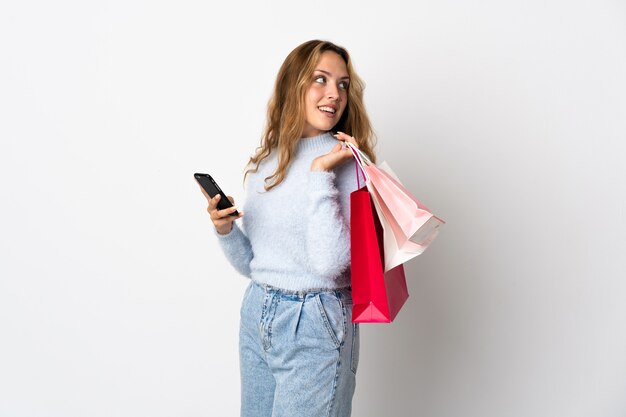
(210,186)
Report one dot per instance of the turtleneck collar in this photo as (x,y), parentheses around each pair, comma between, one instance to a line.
(316,142)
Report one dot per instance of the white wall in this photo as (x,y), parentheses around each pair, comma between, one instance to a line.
(506,118)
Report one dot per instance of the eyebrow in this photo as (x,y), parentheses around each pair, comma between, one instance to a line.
(328,73)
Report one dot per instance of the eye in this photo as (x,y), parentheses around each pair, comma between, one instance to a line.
(320,77)
(344,85)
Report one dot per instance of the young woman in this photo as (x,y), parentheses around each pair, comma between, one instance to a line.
(298,346)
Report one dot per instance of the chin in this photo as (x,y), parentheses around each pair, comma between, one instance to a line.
(326,126)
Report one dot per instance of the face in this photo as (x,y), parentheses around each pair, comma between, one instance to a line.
(327,96)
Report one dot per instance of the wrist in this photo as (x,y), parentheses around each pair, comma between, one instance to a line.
(224,230)
(318,167)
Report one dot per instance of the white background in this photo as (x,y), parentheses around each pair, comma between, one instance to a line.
(505,118)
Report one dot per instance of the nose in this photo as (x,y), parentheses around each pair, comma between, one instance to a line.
(332,92)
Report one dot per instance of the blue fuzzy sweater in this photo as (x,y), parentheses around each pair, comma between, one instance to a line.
(297,235)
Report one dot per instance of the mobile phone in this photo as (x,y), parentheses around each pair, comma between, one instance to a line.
(210,186)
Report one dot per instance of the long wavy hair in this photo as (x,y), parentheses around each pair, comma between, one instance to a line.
(286,109)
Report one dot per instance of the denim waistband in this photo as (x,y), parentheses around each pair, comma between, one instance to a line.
(342,293)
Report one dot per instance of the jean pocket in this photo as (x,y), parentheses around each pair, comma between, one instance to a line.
(354,352)
(333,315)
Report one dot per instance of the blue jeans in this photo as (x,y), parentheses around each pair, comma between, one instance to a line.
(299,353)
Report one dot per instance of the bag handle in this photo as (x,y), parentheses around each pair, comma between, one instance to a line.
(359,156)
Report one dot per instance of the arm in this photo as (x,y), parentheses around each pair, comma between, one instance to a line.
(327,231)
(236,246)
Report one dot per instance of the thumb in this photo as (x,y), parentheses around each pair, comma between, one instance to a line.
(336,148)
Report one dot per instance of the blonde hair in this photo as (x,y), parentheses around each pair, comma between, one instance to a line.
(286,109)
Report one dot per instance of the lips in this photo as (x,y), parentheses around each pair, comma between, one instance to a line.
(328,110)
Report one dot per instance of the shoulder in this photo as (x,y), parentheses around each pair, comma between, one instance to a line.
(261,170)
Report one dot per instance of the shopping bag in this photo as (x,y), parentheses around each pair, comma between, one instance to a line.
(409,226)
(377,295)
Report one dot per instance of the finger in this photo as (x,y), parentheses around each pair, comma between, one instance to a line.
(347,138)
(342,156)
(223,221)
(220,214)
(213,202)
(347,155)
(341,136)
(232,200)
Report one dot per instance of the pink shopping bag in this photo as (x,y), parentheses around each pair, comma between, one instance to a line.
(408,226)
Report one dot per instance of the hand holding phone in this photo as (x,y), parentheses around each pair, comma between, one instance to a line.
(221,208)
(210,186)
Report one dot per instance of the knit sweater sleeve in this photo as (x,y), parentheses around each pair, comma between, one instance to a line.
(236,246)
(327,231)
